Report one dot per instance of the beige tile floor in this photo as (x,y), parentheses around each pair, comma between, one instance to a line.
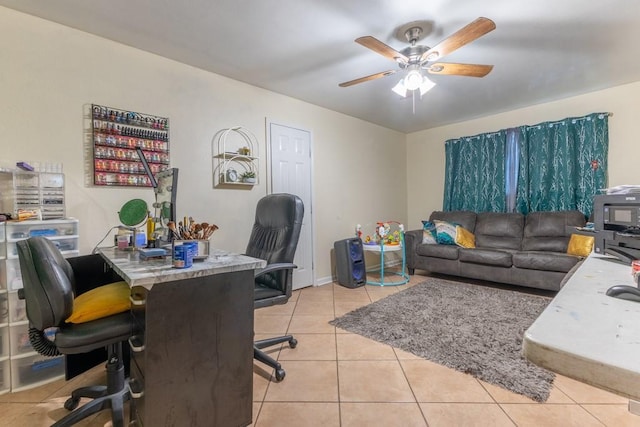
(335,378)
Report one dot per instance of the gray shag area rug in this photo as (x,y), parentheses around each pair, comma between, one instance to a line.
(472,328)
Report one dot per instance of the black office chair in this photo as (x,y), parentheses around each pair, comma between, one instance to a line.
(274,238)
(49,282)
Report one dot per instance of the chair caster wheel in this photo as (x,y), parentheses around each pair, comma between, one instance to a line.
(293,343)
(71,403)
(280,374)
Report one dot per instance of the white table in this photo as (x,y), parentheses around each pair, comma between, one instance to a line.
(587,335)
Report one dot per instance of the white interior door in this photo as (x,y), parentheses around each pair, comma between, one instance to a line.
(290,164)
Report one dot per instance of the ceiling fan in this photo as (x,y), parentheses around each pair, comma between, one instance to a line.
(417,59)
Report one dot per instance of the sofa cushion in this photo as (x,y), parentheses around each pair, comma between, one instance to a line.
(486,257)
(547,231)
(428,233)
(438,251)
(467,219)
(499,230)
(544,261)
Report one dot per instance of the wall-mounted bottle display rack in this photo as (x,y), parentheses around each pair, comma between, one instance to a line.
(116,135)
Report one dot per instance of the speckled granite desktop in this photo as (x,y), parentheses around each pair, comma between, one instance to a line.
(153,271)
(587,335)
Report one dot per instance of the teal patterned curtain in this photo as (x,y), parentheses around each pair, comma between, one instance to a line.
(563,164)
(546,167)
(475,173)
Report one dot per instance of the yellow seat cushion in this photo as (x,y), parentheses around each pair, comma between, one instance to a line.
(580,245)
(101,302)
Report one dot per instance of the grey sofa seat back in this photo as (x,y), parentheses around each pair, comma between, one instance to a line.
(499,230)
(547,231)
(466,219)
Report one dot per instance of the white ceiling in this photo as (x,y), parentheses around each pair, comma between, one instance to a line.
(542,50)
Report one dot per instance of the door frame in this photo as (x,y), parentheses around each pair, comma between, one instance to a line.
(269,184)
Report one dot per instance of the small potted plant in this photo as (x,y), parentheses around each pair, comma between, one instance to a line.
(249,177)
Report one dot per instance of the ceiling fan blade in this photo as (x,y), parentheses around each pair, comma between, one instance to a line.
(471,70)
(367,78)
(467,34)
(377,46)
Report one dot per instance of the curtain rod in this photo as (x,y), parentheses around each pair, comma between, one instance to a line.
(573,120)
(539,125)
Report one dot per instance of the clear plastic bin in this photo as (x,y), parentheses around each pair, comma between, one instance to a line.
(5,376)
(18,231)
(3,275)
(66,245)
(4,342)
(20,340)
(17,308)
(14,277)
(62,242)
(32,370)
(4,309)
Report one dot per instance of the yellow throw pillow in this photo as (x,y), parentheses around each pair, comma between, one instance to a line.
(465,238)
(580,245)
(101,302)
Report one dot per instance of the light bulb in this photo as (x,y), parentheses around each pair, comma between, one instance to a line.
(413,80)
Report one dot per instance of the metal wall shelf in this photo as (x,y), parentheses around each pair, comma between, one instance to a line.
(235,154)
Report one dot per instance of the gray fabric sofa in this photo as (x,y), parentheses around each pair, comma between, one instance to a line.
(510,248)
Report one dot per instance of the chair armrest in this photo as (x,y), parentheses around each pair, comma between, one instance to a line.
(278,273)
(91,271)
(275,267)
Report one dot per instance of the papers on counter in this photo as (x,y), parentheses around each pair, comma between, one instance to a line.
(622,189)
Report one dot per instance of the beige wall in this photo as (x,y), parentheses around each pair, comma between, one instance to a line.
(425,149)
(49,74)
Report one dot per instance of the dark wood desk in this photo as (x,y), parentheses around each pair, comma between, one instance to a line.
(192,361)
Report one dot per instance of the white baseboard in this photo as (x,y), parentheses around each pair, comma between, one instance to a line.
(324,281)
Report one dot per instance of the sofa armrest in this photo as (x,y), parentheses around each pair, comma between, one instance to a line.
(412,239)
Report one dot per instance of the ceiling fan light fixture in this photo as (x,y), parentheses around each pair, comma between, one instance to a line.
(400,89)
(426,86)
(413,80)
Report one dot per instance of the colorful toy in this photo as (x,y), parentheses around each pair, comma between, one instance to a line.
(383,234)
